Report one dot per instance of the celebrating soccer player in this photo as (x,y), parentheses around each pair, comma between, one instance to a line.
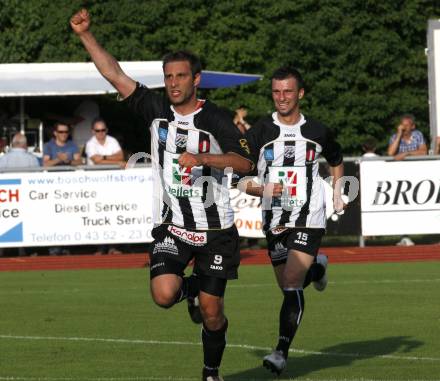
(191,140)
(287,145)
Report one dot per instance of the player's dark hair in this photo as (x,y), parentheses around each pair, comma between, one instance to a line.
(285,72)
(184,55)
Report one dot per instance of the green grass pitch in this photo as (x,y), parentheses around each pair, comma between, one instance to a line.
(373,322)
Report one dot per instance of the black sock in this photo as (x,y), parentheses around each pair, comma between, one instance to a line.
(291,314)
(193,285)
(214,343)
(317,270)
(308,278)
(189,288)
(315,273)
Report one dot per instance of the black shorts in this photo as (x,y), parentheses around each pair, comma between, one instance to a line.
(216,253)
(281,240)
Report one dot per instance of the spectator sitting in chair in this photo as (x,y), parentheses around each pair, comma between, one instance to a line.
(60,150)
(407,141)
(102,148)
(18,156)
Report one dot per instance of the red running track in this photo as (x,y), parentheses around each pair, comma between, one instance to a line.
(335,254)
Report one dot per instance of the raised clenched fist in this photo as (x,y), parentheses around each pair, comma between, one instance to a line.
(80,21)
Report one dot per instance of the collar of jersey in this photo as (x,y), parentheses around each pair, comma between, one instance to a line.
(300,122)
(200,103)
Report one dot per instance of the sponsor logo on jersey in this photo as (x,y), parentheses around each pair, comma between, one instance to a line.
(181,140)
(168,246)
(289,151)
(182,122)
(163,133)
(279,230)
(268,154)
(290,180)
(181,175)
(204,146)
(310,155)
(289,135)
(244,144)
(193,238)
(182,182)
(184,191)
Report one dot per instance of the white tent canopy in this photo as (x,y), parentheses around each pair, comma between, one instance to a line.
(45,79)
(35,79)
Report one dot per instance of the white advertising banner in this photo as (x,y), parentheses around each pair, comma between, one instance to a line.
(75,208)
(248,218)
(400,197)
(95,207)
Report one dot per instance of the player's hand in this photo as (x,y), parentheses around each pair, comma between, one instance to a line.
(273,190)
(400,129)
(80,21)
(189,160)
(338,204)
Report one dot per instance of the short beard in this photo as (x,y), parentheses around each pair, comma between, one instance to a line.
(183,101)
(286,113)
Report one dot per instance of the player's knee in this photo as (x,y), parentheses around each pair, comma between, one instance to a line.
(164,298)
(213,321)
(292,282)
(212,314)
(293,279)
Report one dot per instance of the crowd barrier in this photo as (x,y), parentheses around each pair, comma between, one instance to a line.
(104,205)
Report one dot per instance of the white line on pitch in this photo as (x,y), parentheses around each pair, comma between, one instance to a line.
(254,285)
(241,346)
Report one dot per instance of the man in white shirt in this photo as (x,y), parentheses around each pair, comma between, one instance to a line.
(102,148)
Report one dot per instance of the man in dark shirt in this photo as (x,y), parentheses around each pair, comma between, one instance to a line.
(191,139)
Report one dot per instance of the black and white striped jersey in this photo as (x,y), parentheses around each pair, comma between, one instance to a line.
(195,198)
(288,154)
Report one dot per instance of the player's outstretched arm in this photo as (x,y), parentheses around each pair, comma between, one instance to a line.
(107,65)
